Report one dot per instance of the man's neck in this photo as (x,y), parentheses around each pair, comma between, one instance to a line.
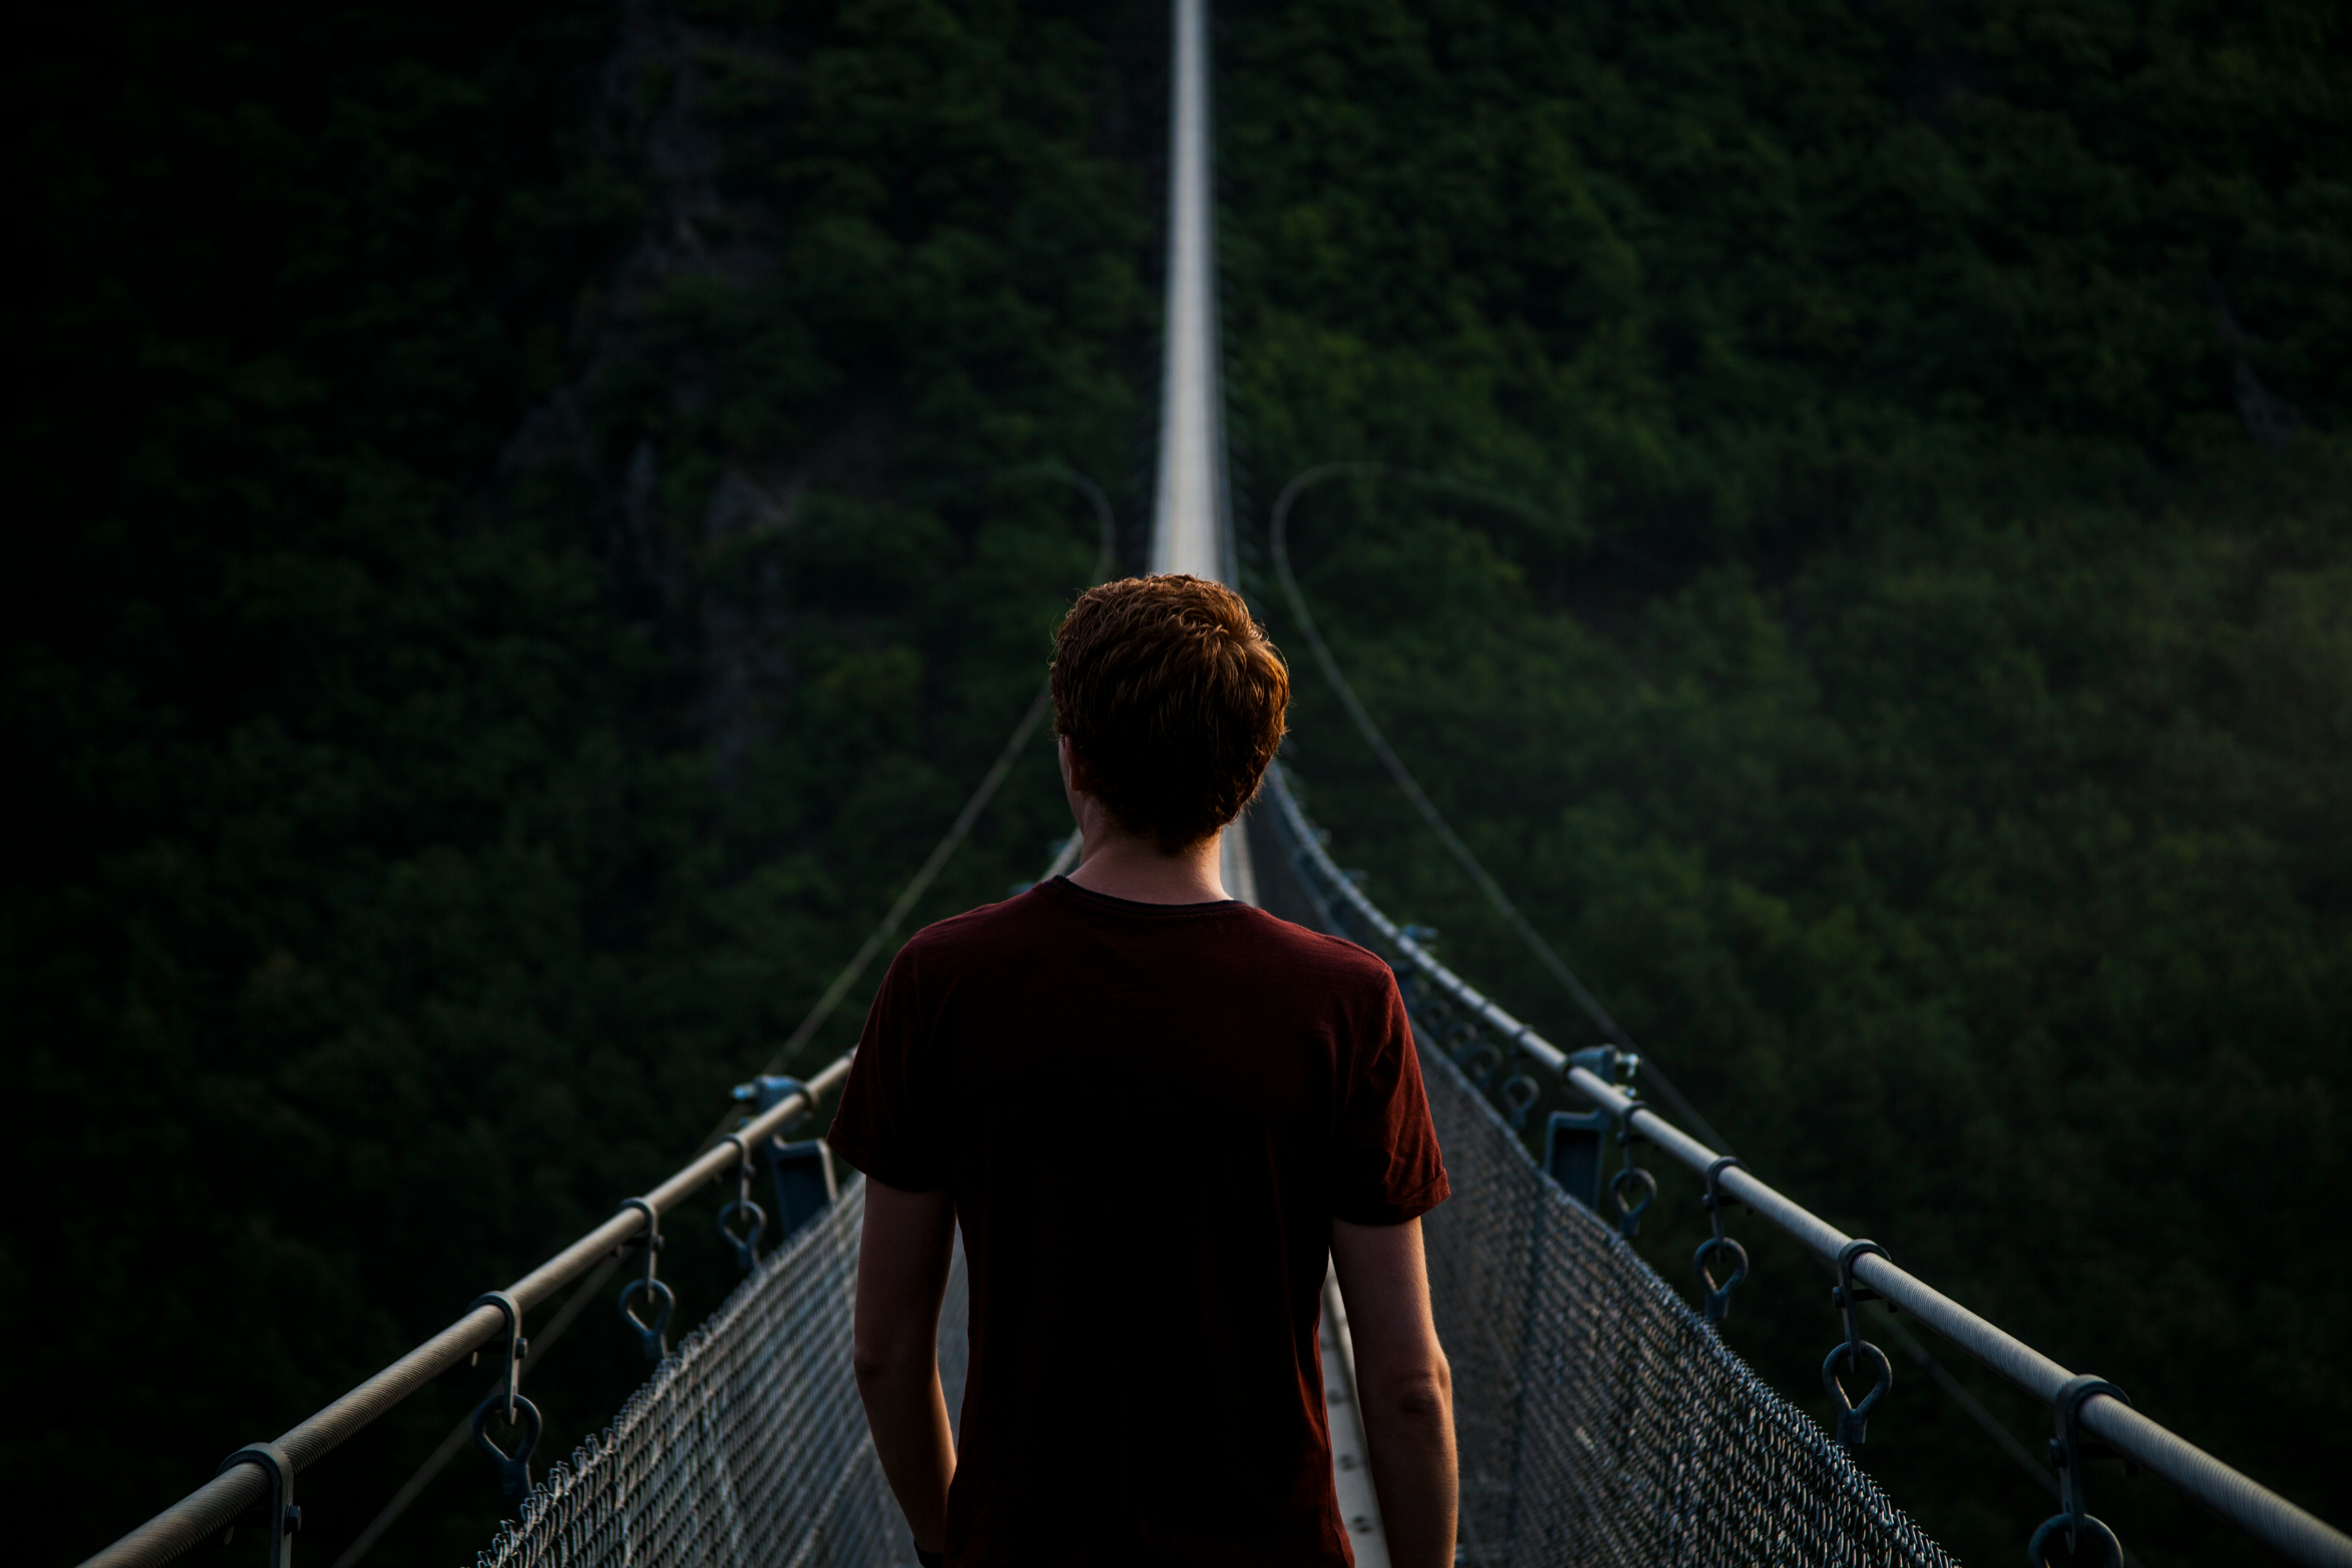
(1126,866)
(1122,865)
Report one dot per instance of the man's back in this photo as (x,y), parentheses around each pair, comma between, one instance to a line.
(1147,1116)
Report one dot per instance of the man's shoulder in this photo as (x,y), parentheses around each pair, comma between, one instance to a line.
(1014,921)
(1287,941)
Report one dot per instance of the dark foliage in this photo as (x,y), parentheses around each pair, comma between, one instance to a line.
(1922,717)
(508,584)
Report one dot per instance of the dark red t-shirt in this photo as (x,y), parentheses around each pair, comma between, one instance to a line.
(1149,1115)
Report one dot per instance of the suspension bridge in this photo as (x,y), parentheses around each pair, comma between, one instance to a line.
(1599,1419)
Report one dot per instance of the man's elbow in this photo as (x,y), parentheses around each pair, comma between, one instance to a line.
(874,1363)
(1421,1395)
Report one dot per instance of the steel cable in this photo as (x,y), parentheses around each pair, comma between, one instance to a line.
(1106,552)
(1278,534)
(1278,529)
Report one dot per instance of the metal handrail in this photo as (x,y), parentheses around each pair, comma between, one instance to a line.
(216,1505)
(2293,1531)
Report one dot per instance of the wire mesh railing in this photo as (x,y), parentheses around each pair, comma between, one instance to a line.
(749,1444)
(265,1473)
(1599,1419)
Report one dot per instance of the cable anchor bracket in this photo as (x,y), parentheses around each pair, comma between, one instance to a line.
(1854,1415)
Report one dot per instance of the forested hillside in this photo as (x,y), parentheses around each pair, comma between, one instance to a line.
(508,584)
(517,565)
(1923,708)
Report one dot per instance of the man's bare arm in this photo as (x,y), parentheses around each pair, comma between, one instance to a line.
(902,1273)
(1404,1387)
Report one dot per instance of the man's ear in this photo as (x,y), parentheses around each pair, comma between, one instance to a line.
(1075,774)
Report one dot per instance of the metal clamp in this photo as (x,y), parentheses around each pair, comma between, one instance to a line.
(278,1510)
(652,1333)
(1853,1414)
(1629,1175)
(1608,1064)
(745,1242)
(2069,1452)
(1519,1093)
(1715,1200)
(771,1089)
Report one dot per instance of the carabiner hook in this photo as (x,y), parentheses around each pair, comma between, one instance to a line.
(745,1242)
(1717,1293)
(652,1333)
(1853,1415)
(1629,1215)
(1519,1093)
(514,1468)
(516,1347)
(2068,1452)
(1480,1050)
(1715,1200)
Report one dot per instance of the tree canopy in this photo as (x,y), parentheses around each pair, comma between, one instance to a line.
(528,536)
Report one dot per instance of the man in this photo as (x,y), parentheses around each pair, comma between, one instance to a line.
(1154,1111)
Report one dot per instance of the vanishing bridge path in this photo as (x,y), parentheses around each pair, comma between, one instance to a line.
(1600,1419)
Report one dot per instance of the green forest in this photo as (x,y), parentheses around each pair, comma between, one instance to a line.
(529,531)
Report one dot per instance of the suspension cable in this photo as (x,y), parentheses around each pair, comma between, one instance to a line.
(1105,552)
(2290,1531)
(914,889)
(1278,531)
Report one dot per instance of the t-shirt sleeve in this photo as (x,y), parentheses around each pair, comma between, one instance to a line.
(1388,1170)
(890,1124)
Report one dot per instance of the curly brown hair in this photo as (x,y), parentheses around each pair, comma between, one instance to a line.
(1173,699)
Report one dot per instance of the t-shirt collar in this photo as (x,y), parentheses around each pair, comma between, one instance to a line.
(1087,898)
